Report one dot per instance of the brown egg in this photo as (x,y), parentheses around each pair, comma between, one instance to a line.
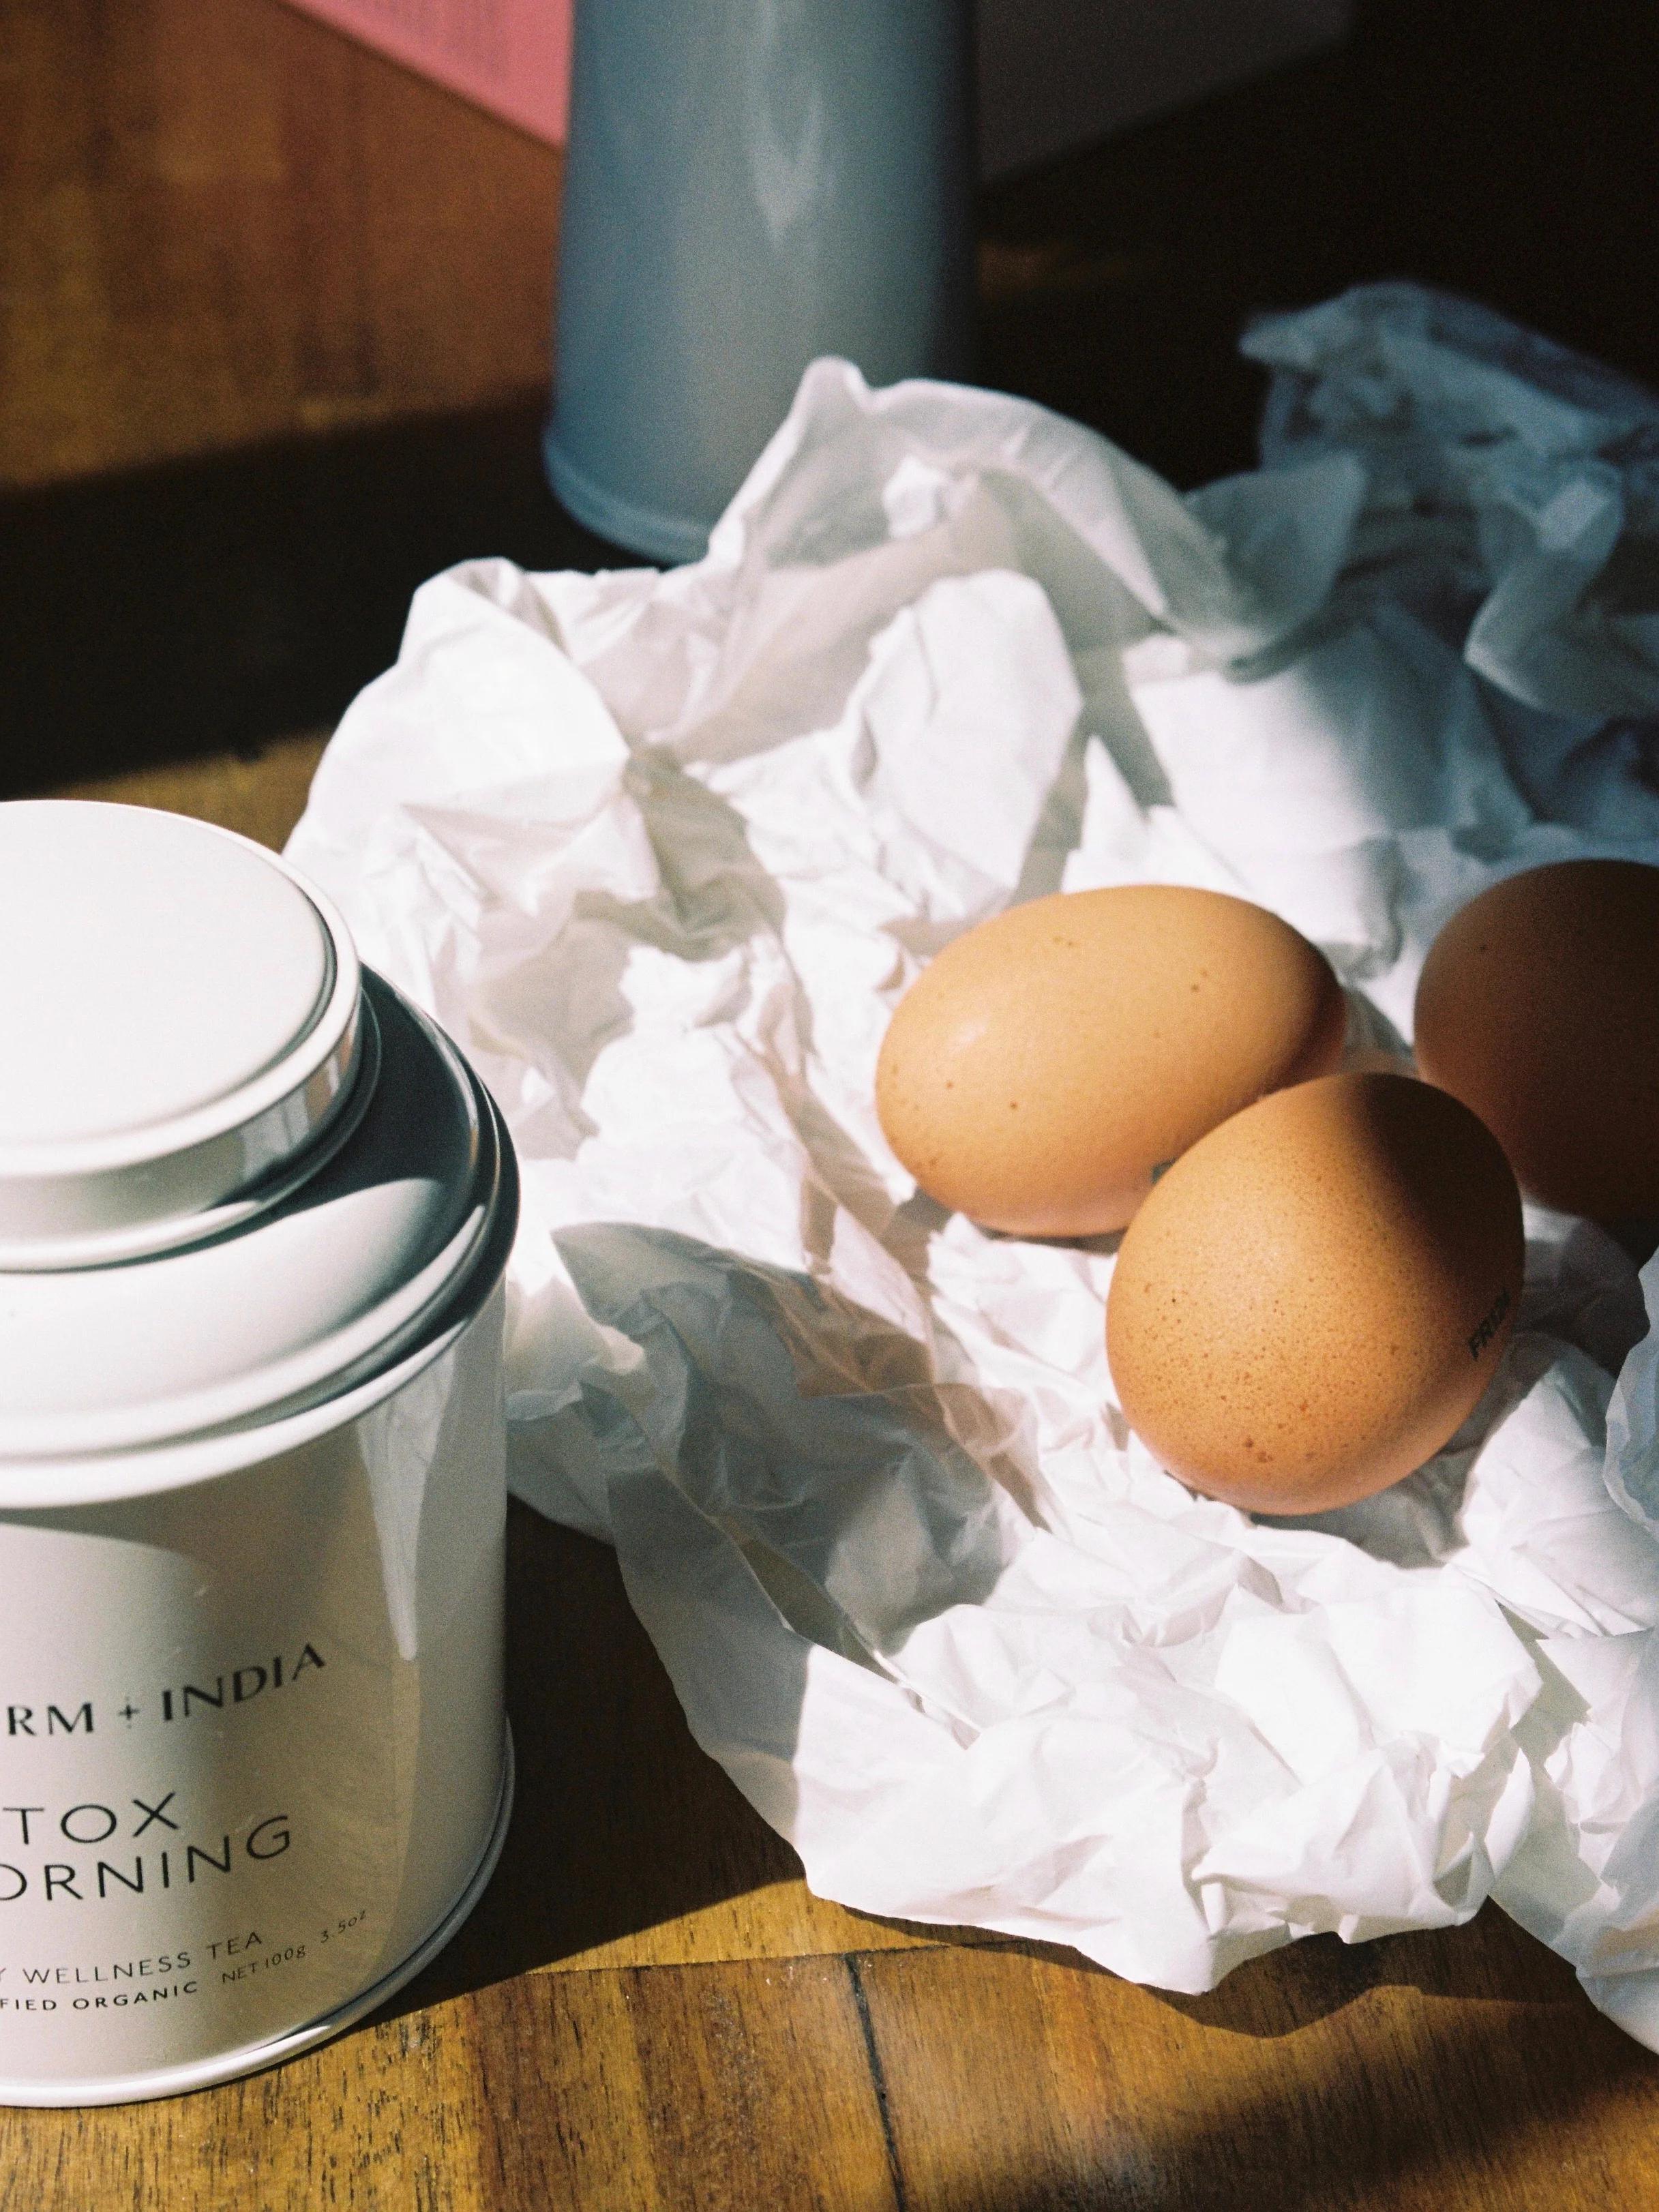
(1539,1008)
(1051,1063)
(1312,1300)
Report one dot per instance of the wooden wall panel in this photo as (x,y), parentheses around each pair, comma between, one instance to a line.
(223,223)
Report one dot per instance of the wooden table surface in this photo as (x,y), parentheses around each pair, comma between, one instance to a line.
(273,344)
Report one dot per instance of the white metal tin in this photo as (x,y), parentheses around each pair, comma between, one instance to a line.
(179,1018)
(252,1764)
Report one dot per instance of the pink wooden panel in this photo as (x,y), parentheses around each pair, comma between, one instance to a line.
(512,57)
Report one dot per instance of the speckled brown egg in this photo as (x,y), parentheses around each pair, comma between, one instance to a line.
(1539,1008)
(1313,1299)
(1048,1066)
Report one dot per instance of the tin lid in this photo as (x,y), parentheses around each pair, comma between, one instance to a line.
(179,1022)
(382,1189)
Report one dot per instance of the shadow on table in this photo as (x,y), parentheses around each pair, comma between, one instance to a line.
(806,1429)
(1494,2083)
(620,1822)
(1491,1960)
(794,1410)
(207,604)
(1522,2105)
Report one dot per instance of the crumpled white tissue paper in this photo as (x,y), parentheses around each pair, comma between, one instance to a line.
(664,850)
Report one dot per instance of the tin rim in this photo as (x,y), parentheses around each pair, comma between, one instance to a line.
(257,2057)
(143,1240)
(52,1463)
(318,1046)
(172,1462)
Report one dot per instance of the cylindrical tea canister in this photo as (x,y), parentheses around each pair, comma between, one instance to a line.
(254,1214)
(748,185)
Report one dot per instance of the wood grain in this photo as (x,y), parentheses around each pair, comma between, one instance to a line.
(1422,2074)
(1417,2073)
(223,223)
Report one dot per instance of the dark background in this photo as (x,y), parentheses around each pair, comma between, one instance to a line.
(222,597)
